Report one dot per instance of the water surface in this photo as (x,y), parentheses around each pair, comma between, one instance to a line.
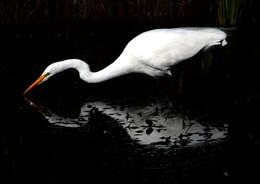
(59,135)
(155,122)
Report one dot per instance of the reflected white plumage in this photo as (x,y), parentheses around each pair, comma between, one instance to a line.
(153,53)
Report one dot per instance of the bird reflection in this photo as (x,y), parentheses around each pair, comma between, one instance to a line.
(153,123)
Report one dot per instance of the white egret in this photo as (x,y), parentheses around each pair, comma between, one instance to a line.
(153,53)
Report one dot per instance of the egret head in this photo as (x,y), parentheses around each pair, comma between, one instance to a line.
(51,70)
(58,67)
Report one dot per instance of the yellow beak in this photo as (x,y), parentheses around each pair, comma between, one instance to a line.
(35,83)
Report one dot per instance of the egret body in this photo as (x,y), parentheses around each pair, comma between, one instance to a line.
(153,53)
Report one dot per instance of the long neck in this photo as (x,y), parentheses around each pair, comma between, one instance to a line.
(116,69)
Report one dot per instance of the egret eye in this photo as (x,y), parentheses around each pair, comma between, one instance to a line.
(48,73)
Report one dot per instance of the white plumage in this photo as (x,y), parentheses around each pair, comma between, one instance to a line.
(153,53)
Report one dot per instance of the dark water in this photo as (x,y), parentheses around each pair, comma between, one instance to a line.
(131,129)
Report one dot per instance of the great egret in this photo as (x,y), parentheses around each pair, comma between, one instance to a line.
(153,53)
